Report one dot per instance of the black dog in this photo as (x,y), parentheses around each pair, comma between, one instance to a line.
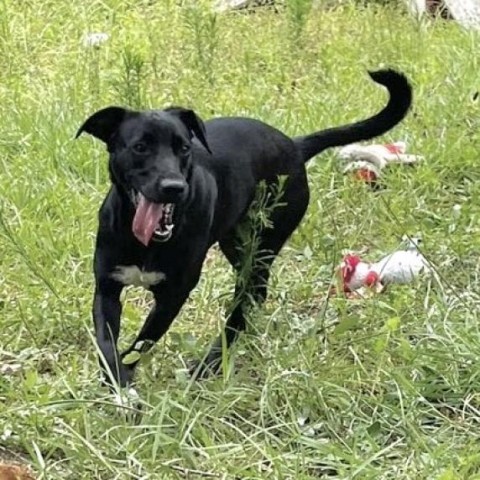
(179,186)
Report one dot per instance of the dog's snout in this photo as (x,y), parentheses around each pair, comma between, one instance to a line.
(173,189)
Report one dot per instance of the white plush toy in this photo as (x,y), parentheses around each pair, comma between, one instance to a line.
(400,267)
(366,162)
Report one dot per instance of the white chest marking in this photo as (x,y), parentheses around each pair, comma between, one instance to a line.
(132,275)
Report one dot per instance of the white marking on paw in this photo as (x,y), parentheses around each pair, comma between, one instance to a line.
(127,397)
(132,275)
(147,344)
(132,393)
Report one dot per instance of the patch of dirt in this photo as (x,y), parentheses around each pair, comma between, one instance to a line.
(10,471)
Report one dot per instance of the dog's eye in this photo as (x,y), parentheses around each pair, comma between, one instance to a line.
(140,148)
(184,149)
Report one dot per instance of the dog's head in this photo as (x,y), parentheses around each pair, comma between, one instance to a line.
(150,160)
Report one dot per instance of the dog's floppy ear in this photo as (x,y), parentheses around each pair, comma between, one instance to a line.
(193,122)
(104,123)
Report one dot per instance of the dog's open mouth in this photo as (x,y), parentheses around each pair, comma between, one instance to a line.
(152,221)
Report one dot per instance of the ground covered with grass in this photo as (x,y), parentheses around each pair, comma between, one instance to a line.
(382,388)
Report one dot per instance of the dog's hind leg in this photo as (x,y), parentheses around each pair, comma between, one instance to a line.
(252,279)
(248,291)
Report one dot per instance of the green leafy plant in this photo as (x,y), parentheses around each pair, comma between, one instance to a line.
(131,84)
(202,29)
(297,14)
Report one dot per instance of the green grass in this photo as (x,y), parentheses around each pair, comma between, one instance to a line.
(385,388)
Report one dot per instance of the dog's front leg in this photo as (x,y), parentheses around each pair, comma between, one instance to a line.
(107,310)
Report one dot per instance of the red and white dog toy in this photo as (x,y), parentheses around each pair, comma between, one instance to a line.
(400,267)
(366,162)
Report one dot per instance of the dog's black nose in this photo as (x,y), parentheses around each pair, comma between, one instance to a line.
(173,189)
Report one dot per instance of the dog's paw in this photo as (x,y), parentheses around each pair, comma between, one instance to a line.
(126,397)
(123,378)
(128,404)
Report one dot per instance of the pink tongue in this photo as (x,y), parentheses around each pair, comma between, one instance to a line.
(147,217)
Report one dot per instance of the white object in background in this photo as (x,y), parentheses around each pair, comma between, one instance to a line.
(95,39)
(368,161)
(417,7)
(465,12)
(226,5)
(402,266)
(399,267)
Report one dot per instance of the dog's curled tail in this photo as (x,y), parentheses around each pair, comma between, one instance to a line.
(397,107)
